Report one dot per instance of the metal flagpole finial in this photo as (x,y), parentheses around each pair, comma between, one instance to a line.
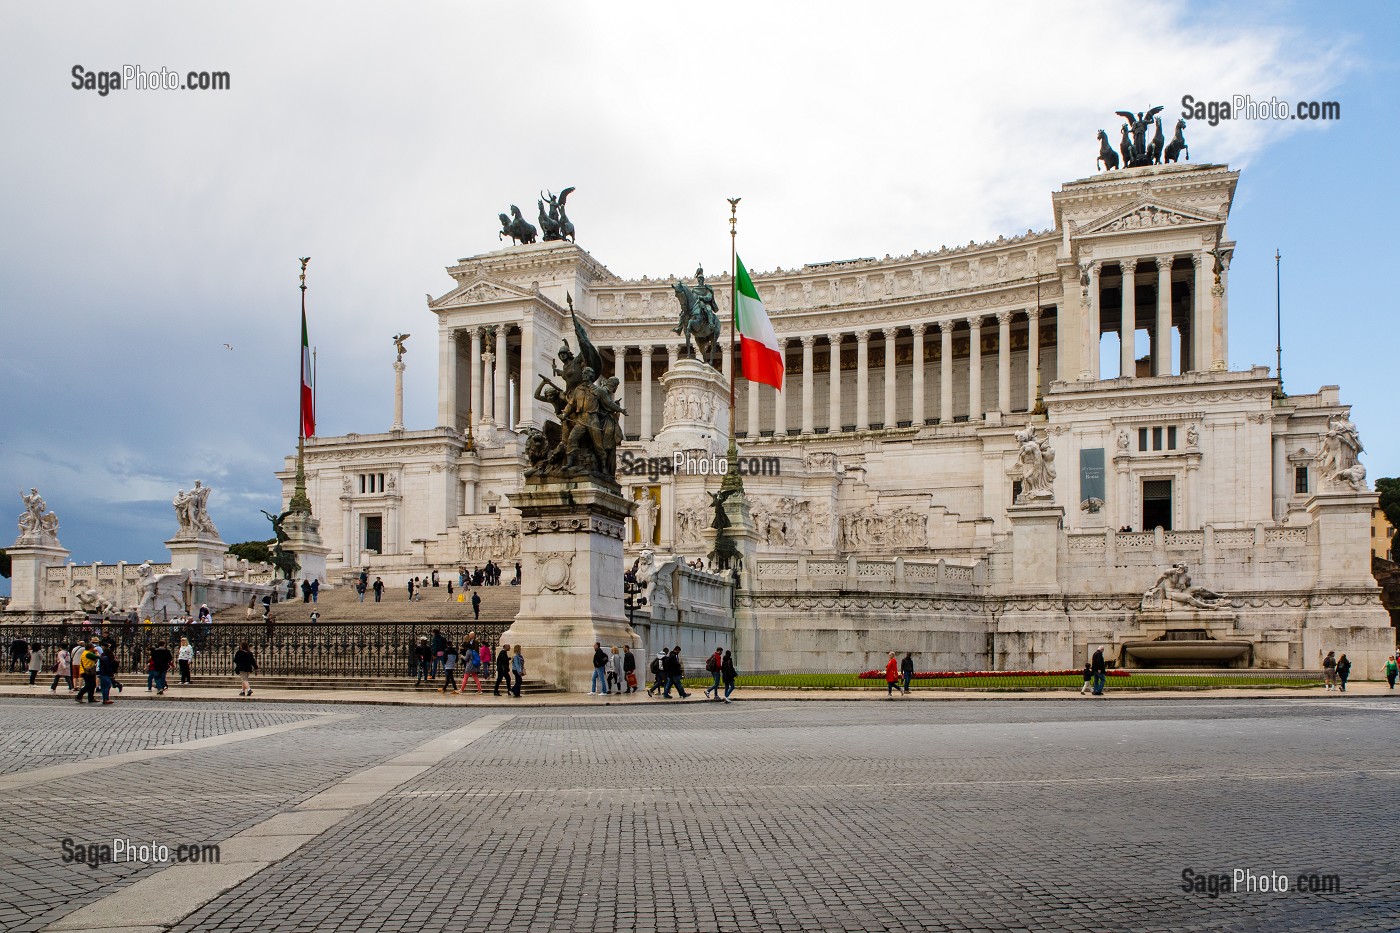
(304,261)
(733,213)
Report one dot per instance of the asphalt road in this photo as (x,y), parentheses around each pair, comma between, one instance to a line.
(868,815)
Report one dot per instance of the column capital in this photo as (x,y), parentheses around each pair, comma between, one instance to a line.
(1196,261)
(835,339)
(918,329)
(1004,318)
(975,321)
(1129,266)
(1032,314)
(862,336)
(808,341)
(1164,263)
(947,326)
(890,332)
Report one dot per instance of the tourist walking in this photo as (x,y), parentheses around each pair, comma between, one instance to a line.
(87,669)
(411,581)
(891,676)
(305,590)
(185,656)
(476,605)
(378,588)
(906,670)
(712,665)
(161,660)
(485,654)
(615,670)
(1088,679)
(439,652)
(1343,672)
(19,654)
(1100,671)
(675,674)
(503,669)
(435,578)
(629,668)
(422,657)
(243,665)
(449,668)
(599,684)
(63,670)
(517,667)
(36,662)
(1391,669)
(471,659)
(315,589)
(1329,670)
(658,673)
(106,674)
(728,674)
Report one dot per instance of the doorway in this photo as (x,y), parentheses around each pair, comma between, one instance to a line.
(374,533)
(1156,504)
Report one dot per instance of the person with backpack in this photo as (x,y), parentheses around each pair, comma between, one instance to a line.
(599,684)
(629,668)
(243,665)
(1343,672)
(891,676)
(503,669)
(728,674)
(186,658)
(63,670)
(161,660)
(106,674)
(87,668)
(1391,669)
(1329,669)
(906,670)
(658,673)
(471,660)
(712,665)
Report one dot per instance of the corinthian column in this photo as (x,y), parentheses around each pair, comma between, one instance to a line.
(779,400)
(1127,327)
(502,396)
(1200,315)
(1162,344)
(1004,362)
(863,380)
(447,379)
(834,386)
(974,369)
(945,372)
(647,351)
(620,370)
(891,416)
(1033,357)
(477,408)
(917,419)
(808,364)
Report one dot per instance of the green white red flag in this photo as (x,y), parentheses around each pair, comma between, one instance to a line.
(758,345)
(308,409)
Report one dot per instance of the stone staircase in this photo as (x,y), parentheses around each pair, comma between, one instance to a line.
(499,604)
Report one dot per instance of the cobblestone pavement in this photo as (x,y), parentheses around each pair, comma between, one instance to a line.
(870,815)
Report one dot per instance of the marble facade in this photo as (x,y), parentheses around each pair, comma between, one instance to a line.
(893,450)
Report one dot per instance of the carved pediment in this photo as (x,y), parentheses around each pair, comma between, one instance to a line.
(479,291)
(1147,215)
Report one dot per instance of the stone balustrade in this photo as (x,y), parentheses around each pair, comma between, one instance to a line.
(804,574)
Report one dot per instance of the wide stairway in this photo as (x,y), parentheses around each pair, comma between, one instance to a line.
(499,604)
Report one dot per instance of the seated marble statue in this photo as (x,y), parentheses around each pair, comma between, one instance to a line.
(1174,587)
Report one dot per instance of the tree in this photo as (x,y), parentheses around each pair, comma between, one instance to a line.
(1389,490)
(254,552)
(4,564)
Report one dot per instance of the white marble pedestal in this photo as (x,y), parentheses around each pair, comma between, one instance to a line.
(29,564)
(571,579)
(1035,547)
(202,555)
(304,540)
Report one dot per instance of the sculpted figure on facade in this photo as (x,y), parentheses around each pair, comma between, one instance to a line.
(1037,460)
(691,520)
(1337,458)
(481,543)
(192,513)
(37,525)
(866,529)
(645,516)
(1174,589)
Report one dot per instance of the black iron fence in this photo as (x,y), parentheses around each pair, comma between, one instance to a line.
(310,649)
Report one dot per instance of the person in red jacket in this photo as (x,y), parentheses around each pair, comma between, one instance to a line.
(891,676)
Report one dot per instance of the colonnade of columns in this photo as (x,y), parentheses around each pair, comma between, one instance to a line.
(1202,325)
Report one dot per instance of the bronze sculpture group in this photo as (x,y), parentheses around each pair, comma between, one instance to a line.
(1134,148)
(555,221)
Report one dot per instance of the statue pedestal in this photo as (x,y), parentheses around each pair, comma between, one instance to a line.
(304,540)
(571,578)
(695,417)
(202,555)
(29,564)
(1035,547)
(1343,520)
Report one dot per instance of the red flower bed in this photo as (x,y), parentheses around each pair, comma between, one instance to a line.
(931,675)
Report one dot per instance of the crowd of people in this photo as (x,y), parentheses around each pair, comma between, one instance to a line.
(438,656)
(615,672)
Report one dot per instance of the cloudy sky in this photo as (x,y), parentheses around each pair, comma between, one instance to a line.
(143,230)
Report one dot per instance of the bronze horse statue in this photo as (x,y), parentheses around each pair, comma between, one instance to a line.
(516,227)
(1178,144)
(1107,157)
(1125,147)
(1154,148)
(698,321)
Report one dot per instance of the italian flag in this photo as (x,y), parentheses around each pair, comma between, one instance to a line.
(758,345)
(308,409)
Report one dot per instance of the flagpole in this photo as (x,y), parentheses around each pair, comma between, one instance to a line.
(1278,322)
(732,480)
(301,502)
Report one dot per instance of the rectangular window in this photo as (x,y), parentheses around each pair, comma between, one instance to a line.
(381,482)
(362,483)
(1171,438)
(374,533)
(1156,438)
(1142,438)
(1300,480)
(1015,490)
(1156,504)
